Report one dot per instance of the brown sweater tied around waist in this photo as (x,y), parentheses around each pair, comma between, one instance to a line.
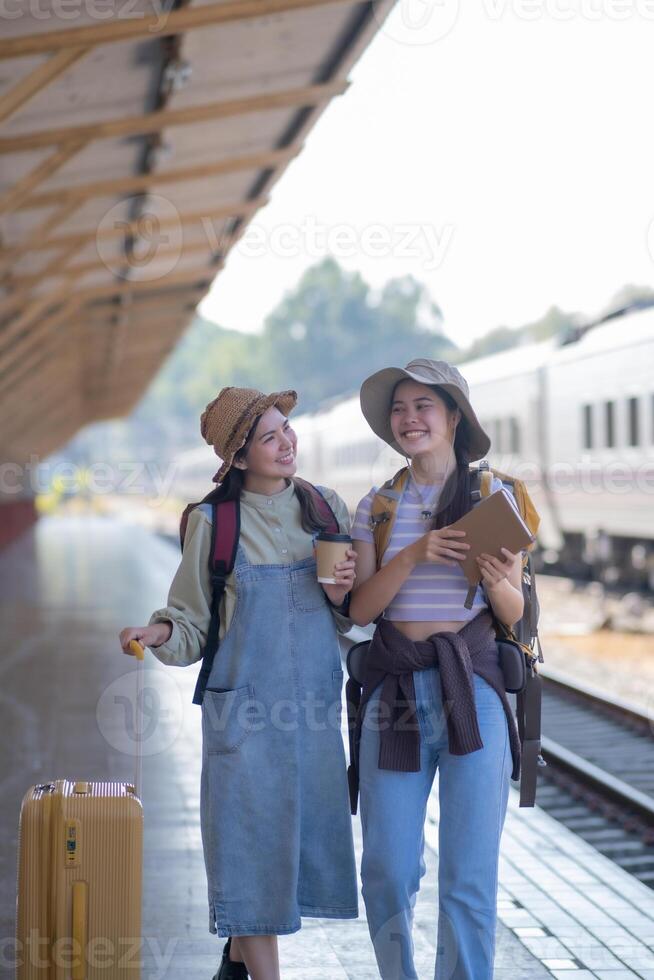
(391,659)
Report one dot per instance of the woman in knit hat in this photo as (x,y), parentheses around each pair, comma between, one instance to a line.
(275,819)
(432,674)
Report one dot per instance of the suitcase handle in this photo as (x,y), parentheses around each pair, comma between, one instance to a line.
(80,923)
(137,649)
(139,653)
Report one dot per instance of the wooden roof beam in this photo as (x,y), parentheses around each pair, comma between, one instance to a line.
(21,389)
(40,233)
(15,355)
(37,80)
(135,323)
(52,271)
(64,420)
(242,209)
(185,294)
(127,286)
(61,357)
(50,381)
(153,27)
(143,182)
(20,192)
(156,122)
(34,309)
(204,274)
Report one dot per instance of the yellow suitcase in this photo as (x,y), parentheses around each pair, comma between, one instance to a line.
(80,856)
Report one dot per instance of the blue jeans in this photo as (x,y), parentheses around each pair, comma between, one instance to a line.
(473,795)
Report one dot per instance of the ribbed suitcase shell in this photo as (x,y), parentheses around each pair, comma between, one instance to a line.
(79,843)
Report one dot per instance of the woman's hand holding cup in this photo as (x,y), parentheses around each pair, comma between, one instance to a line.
(344,575)
(336,563)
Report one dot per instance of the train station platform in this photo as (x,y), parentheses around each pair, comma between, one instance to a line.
(67,587)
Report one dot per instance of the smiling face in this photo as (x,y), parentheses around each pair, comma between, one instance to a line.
(421,421)
(272,450)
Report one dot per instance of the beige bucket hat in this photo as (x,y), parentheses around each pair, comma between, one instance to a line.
(226,420)
(376,392)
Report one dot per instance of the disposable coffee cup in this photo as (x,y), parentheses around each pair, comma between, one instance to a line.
(330,548)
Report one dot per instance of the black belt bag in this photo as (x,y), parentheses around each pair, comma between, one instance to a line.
(521,679)
(513,664)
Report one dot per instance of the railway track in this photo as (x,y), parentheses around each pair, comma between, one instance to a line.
(599,780)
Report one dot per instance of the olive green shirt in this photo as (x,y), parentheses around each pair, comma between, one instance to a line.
(271,534)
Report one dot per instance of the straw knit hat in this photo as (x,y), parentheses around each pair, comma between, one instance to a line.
(227,420)
(376,394)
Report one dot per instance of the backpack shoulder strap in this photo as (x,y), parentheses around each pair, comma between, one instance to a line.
(383,510)
(322,505)
(225,532)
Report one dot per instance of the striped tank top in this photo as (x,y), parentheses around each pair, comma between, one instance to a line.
(432,592)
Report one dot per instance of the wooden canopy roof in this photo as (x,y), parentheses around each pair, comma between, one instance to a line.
(135,145)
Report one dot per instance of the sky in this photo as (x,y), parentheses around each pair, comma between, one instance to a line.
(502,153)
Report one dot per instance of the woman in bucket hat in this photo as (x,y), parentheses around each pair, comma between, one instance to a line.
(433,693)
(275,819)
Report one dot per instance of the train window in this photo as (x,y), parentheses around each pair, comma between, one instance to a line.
(609,424)
(588,426)
(514,429)
(632,421)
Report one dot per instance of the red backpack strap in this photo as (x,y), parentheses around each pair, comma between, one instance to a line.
(225,532)
(226,527)
(322,506)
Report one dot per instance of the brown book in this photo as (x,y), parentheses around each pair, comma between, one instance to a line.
(493,524)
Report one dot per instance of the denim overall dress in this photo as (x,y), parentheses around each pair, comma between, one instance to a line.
(274,806)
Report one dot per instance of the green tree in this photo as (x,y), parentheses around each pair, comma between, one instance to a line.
(332,330)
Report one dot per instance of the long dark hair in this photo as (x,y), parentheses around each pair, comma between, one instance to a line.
(234,482)
(454,499)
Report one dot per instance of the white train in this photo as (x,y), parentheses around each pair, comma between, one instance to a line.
(574,420)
